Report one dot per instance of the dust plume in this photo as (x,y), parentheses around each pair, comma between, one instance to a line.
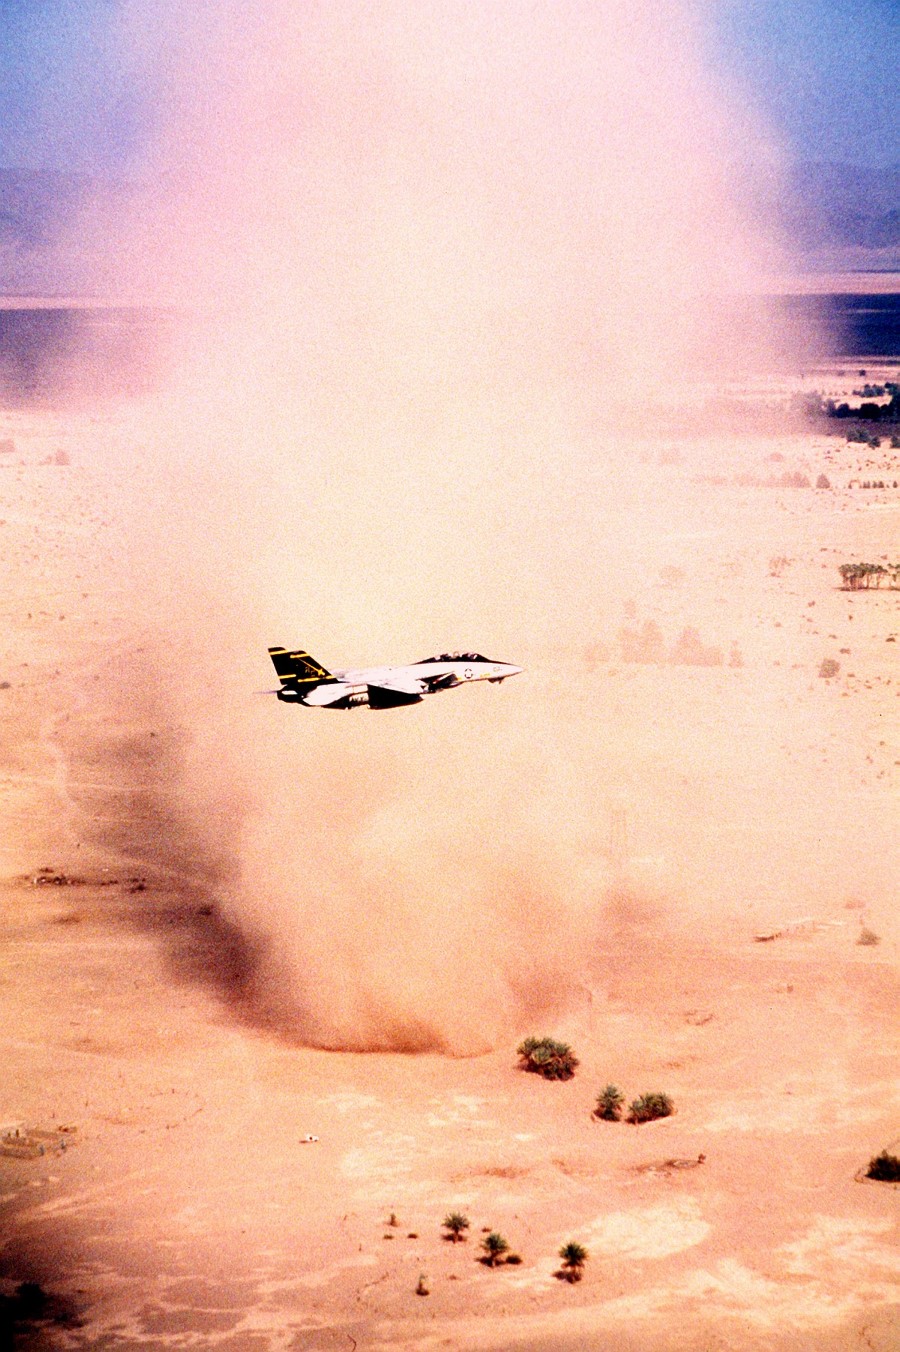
(431,257)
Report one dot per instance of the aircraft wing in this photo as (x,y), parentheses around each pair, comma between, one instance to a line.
(381,692)
(330,693)
(401,683)
(386,692)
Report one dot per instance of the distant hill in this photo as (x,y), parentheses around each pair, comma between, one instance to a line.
(38,251)
(35,204)
(845,206)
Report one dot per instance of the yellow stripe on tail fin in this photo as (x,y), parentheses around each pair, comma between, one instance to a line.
(298,668)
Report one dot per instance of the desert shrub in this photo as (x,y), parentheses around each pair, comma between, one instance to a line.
(574,1256)
(823,481)
(455,1223)
(495,1246)
(422,1285)
(690,650)
(644,644)
(649,1107)
(32,1300)
(829,668)
(544,1056)
(868,938)
(885,1168)
(513,1259)
(610,1102)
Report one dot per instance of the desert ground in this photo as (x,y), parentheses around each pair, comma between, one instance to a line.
(162,1190)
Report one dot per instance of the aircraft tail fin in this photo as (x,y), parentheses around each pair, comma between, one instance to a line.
(298,668)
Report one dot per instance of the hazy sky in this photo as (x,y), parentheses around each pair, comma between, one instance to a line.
(822,71)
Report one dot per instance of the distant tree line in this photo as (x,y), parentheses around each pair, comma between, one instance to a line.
(856,576)
(815,405)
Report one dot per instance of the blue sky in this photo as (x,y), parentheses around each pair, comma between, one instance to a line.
(822,71)
(65,100)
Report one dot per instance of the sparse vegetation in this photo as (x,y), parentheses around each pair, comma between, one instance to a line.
(829,668)
(789,479)
(644,644)
(574,1256)
(455,1223)
(884,1168)
(823,481)
(513,1259)
(544,1056)
(610,1102)
(422,1285)
(649,1107)
(691,651)
(864,438)
(647,645)
(868,938)
(495,1246)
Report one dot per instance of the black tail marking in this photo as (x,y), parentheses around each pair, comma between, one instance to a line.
(298,668)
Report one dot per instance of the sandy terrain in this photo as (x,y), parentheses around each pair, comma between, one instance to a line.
(186,1209)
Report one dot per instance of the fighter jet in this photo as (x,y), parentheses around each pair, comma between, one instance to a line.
(305,681)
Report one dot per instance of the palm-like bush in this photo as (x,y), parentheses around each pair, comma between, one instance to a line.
(574,1256)
(649,1107)
(495,1246)
(610,1102)
(544,1056)
(456,1223)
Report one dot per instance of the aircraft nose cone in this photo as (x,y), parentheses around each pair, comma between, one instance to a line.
(512,671)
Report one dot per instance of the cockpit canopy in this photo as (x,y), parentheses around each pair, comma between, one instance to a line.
(453,657)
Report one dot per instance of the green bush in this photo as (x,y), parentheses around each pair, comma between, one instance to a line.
(610,1102)
(649,1107)
(885,1168)
(495,1246)
(455,1223)
(574,1256)
(544,1056)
